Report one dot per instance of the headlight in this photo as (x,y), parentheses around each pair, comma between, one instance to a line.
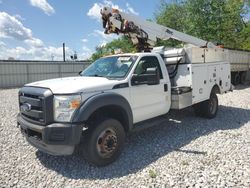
(65,106)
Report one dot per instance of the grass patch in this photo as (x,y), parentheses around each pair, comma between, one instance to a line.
(184,163)
(152,173)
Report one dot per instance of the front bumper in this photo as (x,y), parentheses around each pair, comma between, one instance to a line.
(54,139)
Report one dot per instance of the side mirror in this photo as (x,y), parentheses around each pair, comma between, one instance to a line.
(151,77)
(80,72)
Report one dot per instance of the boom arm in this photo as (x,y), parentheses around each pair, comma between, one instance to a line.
(144,34)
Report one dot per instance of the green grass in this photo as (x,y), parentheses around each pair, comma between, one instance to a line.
(185,163)
(152,173)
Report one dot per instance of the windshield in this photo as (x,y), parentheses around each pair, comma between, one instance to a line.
(110,67)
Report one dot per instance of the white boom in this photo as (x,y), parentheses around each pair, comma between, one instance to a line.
(144,34)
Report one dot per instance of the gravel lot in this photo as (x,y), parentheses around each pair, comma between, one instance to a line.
(184,151)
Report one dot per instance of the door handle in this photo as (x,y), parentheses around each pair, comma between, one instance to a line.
(165,87)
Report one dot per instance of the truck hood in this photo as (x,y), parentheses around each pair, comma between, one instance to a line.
(76,84)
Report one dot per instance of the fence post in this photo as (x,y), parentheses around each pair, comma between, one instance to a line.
(60,70)
(27,72)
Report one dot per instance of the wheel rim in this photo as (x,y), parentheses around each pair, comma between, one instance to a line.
(213,104)
(106,143)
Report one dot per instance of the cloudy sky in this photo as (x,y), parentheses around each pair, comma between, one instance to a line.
(36,29)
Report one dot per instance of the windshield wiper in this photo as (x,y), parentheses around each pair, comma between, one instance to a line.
(108,77)
(96,75)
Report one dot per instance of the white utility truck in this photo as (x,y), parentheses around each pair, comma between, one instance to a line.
(240,65)
(144,35)
(93,112)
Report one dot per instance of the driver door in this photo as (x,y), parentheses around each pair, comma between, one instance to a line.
(149,101)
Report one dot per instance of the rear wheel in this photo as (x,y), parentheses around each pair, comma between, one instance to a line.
(211,106)
(198,110)
(208,108)
(243,76)
(103,144)
(236,78)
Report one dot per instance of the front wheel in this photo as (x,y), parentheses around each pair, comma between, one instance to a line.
(103,144)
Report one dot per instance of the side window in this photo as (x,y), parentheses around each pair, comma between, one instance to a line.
(147,62)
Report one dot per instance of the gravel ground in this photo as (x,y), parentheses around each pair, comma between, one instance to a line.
(183,151)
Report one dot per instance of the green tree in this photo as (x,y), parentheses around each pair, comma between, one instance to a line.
(173,16)
(97,54)
(245,37)
(219,21)
(123,43)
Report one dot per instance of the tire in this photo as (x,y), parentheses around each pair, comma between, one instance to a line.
(210,106)
(243,76)
(236,79)
(232,78)
(198,110)
(207,109)
(103,144)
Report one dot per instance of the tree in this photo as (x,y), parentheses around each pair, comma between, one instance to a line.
(245,37)
(219,21)
(123,43)
(11,58)
(173,16)
(99,53)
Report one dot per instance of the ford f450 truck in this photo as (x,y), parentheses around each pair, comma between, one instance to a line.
(92,113)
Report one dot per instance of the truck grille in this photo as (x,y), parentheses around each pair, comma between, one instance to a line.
(36,105)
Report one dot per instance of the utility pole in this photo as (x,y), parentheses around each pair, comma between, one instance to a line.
(52,57)
(64,52)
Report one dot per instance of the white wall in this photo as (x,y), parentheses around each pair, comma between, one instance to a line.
(18,73)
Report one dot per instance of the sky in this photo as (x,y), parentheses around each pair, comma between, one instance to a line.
(36,29)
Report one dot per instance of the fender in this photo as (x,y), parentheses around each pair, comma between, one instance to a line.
(101,100)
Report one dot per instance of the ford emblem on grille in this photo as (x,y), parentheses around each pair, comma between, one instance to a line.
(25,107)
